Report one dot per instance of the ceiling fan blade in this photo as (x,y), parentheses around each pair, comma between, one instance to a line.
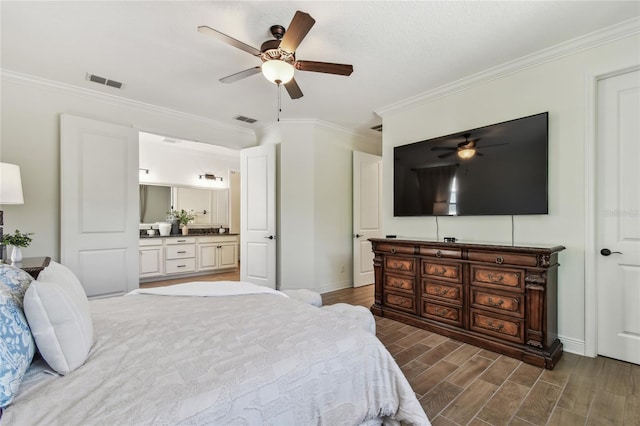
(229,40)
(298,29)
(326,67)
(293,89)
(448,154)
(240,75)
(443,148)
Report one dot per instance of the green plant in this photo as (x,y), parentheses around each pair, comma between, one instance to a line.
(183,216)
(17,239)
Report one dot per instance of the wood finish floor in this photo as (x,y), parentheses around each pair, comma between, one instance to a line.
(460,384)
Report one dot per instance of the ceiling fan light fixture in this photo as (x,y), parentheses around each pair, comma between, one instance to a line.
(466,153)
(277,71)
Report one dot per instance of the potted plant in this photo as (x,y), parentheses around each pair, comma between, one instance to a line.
(18,240)
(184,218)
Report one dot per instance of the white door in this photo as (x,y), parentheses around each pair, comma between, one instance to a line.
(618,217)
(99,204)
(367,196)
(258,215)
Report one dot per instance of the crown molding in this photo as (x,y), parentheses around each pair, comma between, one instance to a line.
(330,126)
(34,81)
(606,35)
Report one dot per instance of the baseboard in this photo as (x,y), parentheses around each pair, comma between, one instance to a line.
(571,345)
(334,286)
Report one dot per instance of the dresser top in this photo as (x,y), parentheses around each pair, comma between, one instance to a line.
(534,249)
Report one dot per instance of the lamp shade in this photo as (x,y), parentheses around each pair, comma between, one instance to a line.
(277,71)
(10,184)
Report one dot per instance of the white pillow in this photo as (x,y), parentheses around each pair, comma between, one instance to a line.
(57,310)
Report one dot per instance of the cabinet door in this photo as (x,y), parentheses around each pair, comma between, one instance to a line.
(207,257)
(196,199)
(228,255)
(150,262)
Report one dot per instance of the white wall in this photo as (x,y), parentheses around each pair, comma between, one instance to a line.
(30,111)
(315,203)
(558,86)
(181,163)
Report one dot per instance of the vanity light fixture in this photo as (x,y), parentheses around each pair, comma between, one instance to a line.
(210,176)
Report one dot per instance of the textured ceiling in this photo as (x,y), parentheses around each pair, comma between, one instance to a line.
(398,49)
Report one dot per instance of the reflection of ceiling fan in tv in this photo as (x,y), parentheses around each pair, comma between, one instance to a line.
(465,150)
(278,55)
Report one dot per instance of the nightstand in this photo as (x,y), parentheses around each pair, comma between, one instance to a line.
(33,265)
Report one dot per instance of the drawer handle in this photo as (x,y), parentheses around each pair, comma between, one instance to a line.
(490,302)
(499,260)
(182,241)
(494,327)
(181,266)
(181,252)
(438,253)
(495,278)
(393,250)
(441,292)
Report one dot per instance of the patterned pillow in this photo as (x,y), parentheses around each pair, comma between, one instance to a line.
(16,342)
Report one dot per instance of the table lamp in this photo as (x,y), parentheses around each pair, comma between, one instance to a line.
(10,193)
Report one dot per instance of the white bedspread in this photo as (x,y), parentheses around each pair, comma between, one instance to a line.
(255,359)
(208,289)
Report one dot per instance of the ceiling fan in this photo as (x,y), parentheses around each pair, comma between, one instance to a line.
(278,55)
(465,150)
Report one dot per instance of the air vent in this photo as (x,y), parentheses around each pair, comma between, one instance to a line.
(377,128)
(245,119)
(104,81)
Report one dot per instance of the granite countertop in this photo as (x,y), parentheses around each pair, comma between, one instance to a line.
(190,235)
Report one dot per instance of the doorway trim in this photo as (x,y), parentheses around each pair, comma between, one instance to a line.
(591,80)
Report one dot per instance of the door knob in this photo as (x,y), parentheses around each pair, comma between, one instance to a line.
(270,237)
(607,252)
(358,235)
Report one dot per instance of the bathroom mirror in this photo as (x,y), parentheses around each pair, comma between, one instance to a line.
(155,202)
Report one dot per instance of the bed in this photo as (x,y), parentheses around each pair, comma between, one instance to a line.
(258,358)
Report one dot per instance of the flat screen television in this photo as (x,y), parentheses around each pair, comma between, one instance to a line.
(506,173)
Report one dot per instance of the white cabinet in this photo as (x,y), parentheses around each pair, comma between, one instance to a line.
(187,255)
(151,258)
(210,206)
(180,255)
(217,253)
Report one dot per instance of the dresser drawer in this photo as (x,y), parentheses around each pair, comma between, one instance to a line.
(503,258)
(181,251)
(180,265)
(448,292)
(395,248)
(398,301)
(451,253)
(442,271)
(509,304)
(442,313)
(400,283)
(498,278)
(497,326)
(400,264)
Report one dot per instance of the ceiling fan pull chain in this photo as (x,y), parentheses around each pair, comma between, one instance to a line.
(279,100)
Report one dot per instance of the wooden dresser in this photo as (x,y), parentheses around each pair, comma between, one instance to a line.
(500,298)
